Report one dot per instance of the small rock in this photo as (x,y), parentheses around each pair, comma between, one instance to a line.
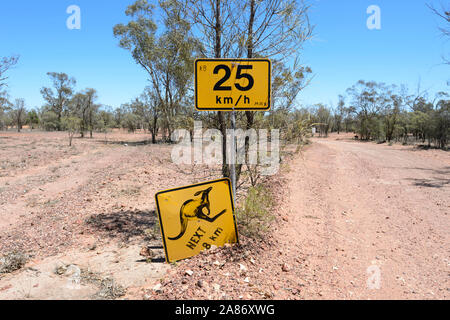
(200,283)
(252,261)
(73,270)
(242,267)
(247,280)
(157,288)
(189,273)
(286,268)
(146,252)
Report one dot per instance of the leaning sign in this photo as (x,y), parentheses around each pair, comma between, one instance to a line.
(193,218)
(232,84)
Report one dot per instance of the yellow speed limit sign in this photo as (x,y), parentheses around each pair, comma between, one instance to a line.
(196,217)
(232,84)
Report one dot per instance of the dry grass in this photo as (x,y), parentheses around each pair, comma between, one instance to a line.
(12,262)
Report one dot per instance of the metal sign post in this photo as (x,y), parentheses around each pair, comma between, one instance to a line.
(233,156)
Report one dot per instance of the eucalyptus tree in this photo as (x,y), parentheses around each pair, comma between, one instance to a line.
(150,109)
(443,13)
(83,106)
(92,108)
(58,100)
(339,114)
(19,113)
(5,106)
(366,103)
(167,55)
(6,63)
(273,29)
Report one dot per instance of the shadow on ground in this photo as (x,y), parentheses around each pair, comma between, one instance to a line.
(440,180)
(126,224)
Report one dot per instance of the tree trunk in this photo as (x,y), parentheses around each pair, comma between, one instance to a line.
(220,114)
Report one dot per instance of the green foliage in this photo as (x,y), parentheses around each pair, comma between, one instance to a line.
(71,124)
(130,121)
(49,121)
(384,113)
(59,99)
(32,119)
(255,216)
(167,56)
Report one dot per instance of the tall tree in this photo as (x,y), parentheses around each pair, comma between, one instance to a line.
(58,100)
(366,103)
(92,108)
(167,56)
(147,106)
(443,13)
(19,113)
(6,63)
(274,29)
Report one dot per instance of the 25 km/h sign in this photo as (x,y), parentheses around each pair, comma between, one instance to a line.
(232,84)
(193,218)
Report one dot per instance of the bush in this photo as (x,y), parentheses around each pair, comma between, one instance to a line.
(255,216)
(12,262)
(49,121)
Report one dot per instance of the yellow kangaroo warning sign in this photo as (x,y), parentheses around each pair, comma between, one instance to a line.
(232,84)
(193,218)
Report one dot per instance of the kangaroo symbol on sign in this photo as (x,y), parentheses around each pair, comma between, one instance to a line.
(196,209)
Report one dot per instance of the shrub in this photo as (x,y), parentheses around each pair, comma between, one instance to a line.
(255,216)
(12,262)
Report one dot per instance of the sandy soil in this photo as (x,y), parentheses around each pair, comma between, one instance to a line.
(68,205)
(359,208)
(354,221)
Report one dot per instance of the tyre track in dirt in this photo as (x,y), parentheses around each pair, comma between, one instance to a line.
(359,210)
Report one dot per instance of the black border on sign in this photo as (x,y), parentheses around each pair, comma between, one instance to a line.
(187,187)
(235,109)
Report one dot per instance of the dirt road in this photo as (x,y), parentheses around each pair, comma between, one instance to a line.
(368,222)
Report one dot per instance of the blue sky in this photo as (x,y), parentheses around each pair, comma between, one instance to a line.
(408,48)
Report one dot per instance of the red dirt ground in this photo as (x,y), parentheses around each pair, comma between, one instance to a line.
(354,221)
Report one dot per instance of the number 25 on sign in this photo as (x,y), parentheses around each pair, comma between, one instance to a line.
(232,84)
